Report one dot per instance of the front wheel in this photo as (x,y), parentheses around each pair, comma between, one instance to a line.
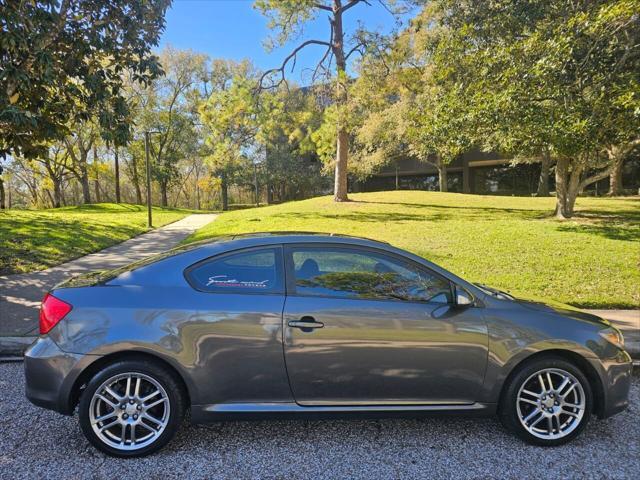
(548,402)
(131,408)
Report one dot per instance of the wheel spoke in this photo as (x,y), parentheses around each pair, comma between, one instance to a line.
(538,420)
(541,380)
(564,383)
(103,417)
(109,425)
(107,401)
(550,382)
(133,434)
(526,400)
(529,392)
(128,389)
(573,385)
(153,419)
(550,425)
(157,402)
(531,415)
(570,413)
(123,434)
(111,392)
(137,390)
(150,396)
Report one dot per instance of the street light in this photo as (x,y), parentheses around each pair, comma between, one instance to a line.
(148,165)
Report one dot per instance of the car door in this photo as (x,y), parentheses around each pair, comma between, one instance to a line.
(234,334)
(367,327)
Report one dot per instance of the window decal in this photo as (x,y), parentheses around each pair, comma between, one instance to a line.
(225,281)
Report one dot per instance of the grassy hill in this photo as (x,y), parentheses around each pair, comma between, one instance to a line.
(511,243)
(36,239)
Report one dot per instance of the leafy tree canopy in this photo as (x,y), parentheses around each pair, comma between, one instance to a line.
(61,61)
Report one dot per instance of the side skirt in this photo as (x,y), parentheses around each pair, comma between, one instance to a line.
(264,411)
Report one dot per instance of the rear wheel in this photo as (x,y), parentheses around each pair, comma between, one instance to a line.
(548,402)
(131,408)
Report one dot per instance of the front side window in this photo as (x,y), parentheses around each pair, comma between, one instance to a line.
(357,273)
(252,271)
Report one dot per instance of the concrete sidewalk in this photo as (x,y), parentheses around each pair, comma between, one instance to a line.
(20,295)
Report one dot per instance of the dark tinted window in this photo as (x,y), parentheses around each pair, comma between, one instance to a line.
(252,271)
(355,273)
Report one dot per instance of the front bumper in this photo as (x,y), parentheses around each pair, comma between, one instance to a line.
(615,375)
(50,375)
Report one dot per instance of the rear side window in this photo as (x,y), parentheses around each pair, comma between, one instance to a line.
(248,271)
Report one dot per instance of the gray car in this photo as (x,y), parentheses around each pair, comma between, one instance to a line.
(312,325)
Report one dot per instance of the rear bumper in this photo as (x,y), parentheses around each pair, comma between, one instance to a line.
(615,375)
(50,374)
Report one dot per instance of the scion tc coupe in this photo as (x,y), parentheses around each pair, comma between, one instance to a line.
(310,324)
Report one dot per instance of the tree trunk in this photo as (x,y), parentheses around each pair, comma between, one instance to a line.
(568,186)
(342,141)
(57,192)
(617,157)
(543,181)
(224,190)
(562,172)
(136,180)
(442,176)
(615,180)
(117,172)
(3,205)
(96,183)
(163,194)
(84,182)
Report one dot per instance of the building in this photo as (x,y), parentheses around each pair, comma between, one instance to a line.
(481,173)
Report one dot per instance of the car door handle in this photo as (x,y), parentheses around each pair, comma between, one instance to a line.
(304,323)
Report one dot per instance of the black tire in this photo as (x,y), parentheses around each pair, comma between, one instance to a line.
(508,411)
(175,398)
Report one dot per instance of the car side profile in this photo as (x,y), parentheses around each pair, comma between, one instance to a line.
(295,324)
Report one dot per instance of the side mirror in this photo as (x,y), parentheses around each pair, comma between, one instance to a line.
(463,297)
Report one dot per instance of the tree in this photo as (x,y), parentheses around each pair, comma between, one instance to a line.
(167,108)
(230,117)
(61,61)
(287,18)
(545,76)
(3,204)
(404,109)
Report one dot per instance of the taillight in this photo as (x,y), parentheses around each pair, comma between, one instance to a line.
(52,311)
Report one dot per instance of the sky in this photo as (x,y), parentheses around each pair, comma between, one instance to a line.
(233,29)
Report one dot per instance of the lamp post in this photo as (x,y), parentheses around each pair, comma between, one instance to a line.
(148,165)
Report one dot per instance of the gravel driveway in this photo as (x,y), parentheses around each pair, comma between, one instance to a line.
(36,443)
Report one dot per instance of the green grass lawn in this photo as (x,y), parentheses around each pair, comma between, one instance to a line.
(511,243)
(36,239)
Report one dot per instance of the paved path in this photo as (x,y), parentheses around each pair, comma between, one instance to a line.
(20,295)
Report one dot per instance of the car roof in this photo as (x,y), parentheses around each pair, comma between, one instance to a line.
(297,236)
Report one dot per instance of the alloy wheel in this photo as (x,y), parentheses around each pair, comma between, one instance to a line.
(129,411)
(551,403)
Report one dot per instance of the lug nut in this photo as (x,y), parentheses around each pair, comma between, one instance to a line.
(123,406)
(556,403)
(125,416)
(131,401)
(135,417)
(139,407)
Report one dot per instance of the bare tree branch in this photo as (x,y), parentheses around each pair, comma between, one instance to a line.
(291,56)
(351,4)
(323,7)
